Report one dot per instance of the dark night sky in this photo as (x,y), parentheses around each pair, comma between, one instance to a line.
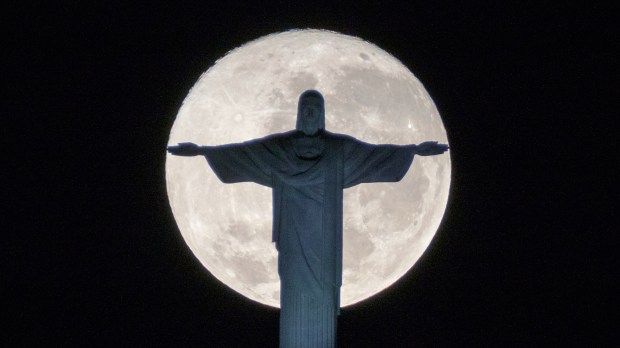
(524,256)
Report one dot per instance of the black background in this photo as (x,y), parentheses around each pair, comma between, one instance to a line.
(524,256)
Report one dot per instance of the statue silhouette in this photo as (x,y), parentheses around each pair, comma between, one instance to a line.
(307,169)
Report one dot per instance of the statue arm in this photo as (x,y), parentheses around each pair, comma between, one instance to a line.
(232,163)
(428,148)
(366,163)
(186,149)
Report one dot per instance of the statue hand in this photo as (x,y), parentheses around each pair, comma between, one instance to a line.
(184,149)
(430,148)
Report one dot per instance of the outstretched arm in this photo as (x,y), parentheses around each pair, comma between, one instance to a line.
(429,148)
(365,163)
(186,149)
(243,162)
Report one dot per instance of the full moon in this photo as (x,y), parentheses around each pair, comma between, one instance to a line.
(253,92)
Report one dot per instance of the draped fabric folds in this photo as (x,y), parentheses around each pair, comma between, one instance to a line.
(307,175)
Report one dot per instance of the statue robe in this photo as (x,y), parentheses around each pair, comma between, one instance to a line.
(307,215)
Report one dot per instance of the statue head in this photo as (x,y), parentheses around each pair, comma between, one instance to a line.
(310,112)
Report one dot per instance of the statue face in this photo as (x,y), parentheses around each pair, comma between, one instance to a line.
(311,110)
(311,113)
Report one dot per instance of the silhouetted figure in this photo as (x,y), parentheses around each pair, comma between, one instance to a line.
(307,169)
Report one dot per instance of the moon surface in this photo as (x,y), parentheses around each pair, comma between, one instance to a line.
(253,92)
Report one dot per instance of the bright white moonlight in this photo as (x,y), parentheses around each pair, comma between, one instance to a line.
(252,92)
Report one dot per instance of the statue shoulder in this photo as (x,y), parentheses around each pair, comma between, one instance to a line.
(342,138)
(275,138)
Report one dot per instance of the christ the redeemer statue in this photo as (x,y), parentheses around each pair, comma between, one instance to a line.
(307,169)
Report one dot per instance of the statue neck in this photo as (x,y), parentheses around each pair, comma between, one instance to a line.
(308,147)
